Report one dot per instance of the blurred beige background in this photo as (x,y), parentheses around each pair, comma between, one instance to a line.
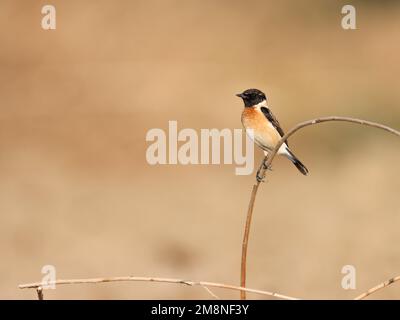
(76,191)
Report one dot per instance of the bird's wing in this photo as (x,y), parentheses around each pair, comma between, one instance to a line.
(271,118)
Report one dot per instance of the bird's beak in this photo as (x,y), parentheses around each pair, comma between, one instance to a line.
(240,95)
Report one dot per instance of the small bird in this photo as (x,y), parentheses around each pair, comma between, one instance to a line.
(266,128)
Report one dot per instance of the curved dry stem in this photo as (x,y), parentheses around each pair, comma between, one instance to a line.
(203,284)
(268,160)
(377,288)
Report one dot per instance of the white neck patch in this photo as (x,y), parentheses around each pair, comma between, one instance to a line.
(261,104)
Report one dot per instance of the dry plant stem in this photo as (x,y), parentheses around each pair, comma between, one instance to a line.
(246,239)
(203,284)
(266,164)
(377,288)
(39,291)
(211,293)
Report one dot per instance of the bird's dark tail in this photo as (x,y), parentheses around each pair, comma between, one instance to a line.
(301,167)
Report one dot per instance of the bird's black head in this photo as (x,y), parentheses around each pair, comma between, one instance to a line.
(252,97)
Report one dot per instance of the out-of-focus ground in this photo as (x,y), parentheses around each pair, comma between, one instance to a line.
(76,191)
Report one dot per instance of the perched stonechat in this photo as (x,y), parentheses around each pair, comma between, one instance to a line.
(266,130)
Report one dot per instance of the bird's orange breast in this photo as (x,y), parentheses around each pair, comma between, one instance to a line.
(253,119)
(265,135)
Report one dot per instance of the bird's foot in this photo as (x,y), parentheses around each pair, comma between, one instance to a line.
(259,177)
(267,167)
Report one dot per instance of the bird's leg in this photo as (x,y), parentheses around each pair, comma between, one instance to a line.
(259,177)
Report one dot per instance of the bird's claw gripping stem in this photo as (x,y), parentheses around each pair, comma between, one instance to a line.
(260,177)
